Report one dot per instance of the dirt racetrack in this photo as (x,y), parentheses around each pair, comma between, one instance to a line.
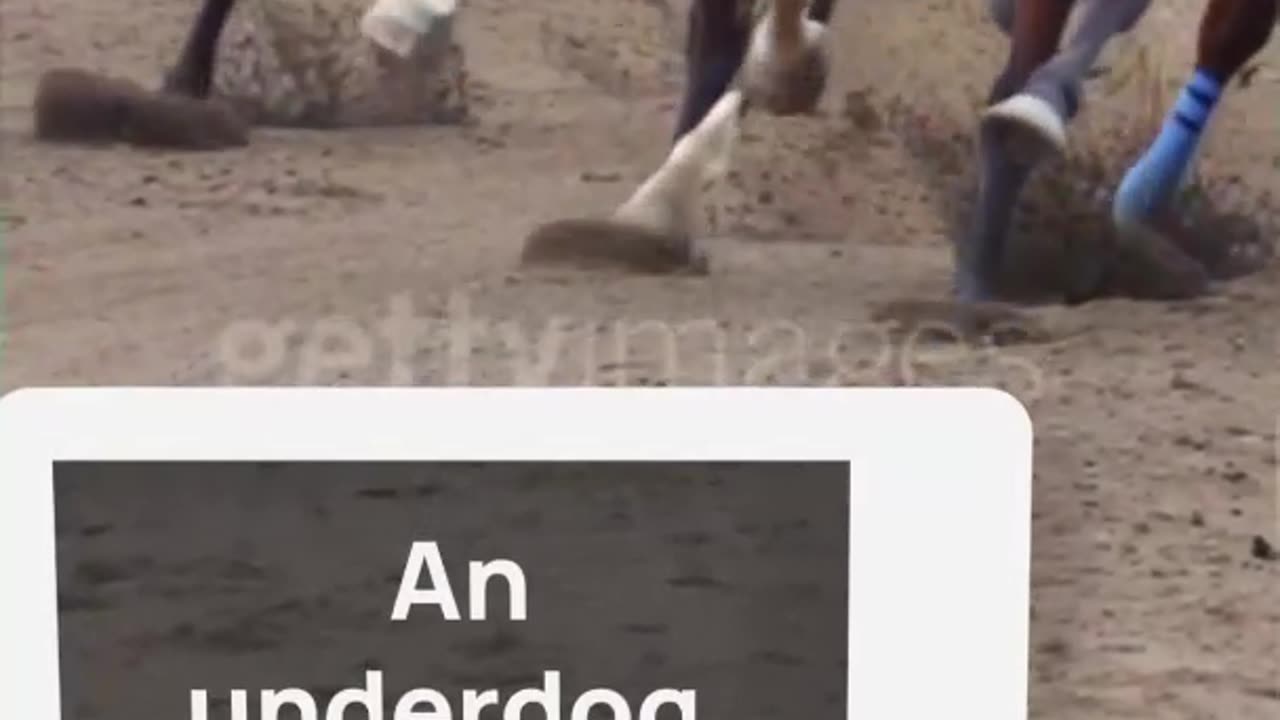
(284,262)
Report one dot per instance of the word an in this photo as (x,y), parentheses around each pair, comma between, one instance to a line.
(428,704)
(426,554)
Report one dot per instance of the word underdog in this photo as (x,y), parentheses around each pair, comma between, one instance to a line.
(429,704)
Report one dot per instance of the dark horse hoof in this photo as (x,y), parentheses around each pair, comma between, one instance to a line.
(78,106)
(172,121)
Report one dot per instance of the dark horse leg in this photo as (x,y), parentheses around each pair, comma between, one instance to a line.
(1231,33)
(718,34)
(1032,101)
(715,45)
(1035,28)
(822,10)
(193,74)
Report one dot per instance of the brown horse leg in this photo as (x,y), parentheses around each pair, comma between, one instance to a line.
(1035,27)
(193,74)
(1231,33)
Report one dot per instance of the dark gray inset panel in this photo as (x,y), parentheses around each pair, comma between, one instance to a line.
(727,578)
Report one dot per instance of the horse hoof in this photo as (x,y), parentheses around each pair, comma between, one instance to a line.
(163,120)
(602,244)
(1227,247)
(795,90)
(73,105)
(1029,127)
(1153,267)
(787,62)
(78,106)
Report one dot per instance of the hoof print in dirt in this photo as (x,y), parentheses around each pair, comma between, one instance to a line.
(77,106)
(602,244)
(941,321)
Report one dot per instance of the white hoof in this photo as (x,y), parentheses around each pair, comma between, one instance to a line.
(1037,120)
(397,25)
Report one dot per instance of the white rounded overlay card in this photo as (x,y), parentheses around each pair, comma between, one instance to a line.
(658,553)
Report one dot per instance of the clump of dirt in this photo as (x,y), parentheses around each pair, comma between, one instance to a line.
(595,244)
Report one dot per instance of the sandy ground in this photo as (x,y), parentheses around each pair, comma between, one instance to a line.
(285,263)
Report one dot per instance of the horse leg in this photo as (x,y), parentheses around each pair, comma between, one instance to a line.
(1033,100)
(1035,27)
(193,74)
(1036,118)
(1231,32)
(822,10)
(718,33)
(1001,12)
